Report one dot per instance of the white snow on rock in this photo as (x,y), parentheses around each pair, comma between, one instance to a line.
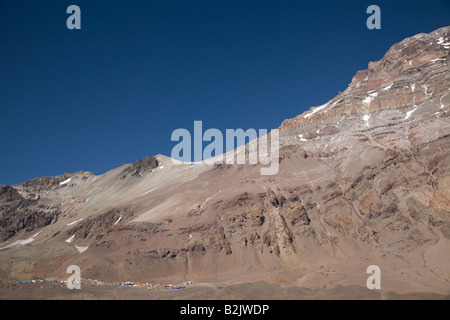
(413,87)
(207,199)
(425,87)
(369,98)
(71,223)
(387,87)
(118,220)
(441,42)
(21,242)
(81,249)
(316,110)
(409,113)
(437,59)
(70,239)
(152,189)
(65,181)
(366,118)
(301,137)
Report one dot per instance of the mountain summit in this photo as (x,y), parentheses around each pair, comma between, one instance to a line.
(363,180)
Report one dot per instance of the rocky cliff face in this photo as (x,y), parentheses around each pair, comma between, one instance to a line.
(364,179)
(412,71)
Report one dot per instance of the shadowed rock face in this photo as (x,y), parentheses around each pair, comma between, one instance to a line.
(363,179)
(9,194)
(21,214)
(146,164)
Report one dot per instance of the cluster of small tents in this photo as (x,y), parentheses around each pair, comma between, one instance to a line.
(101,283)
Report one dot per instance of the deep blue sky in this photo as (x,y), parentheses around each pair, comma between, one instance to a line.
(113,92)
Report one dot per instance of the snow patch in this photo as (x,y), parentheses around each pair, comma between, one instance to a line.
(71,223)
(441,42)
(409,113)
(81,249)
(316,110)
(369,98)
(366,118)
(65,181)
(70,239)
(149,190)
(437,59)
(21,242)
(207,199)
(301,137)
(425,87)
(388,87)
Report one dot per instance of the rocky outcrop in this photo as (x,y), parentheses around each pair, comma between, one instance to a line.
(18,213)
(411,72)
(96,226)
(26,217)
(9,194)
(140,167)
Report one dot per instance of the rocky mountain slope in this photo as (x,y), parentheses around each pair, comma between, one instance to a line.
(363,180)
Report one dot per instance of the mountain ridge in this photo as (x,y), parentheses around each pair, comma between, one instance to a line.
(363,179)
